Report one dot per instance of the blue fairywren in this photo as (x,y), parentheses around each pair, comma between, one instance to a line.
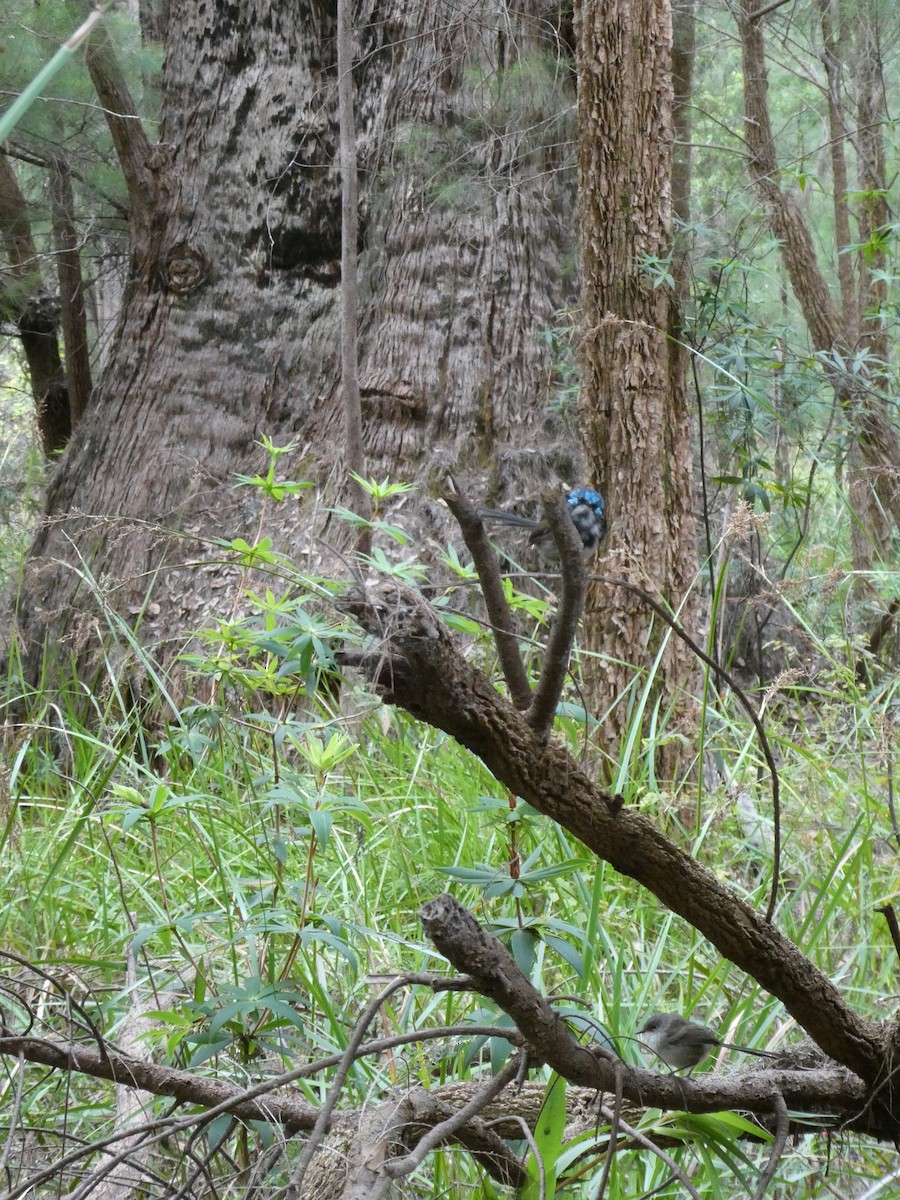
(586,507)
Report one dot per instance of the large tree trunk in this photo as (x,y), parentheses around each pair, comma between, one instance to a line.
(633,383)
(230,326)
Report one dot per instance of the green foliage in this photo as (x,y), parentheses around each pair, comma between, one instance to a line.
(274,488)
(50,77)
(43,78)
(21,469)
(54,114)
(261,853)
(548,1139)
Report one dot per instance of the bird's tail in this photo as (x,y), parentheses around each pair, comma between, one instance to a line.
(747,1050)
(506,518)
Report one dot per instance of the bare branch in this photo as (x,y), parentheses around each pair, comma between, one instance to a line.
(164,1081)
(614,1126)
(459,937)
(133,148)
(887,911)
(565,623)
(782,1130)
(503,624)
(294,1189)
(641,1139)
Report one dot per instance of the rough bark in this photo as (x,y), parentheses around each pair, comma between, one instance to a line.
(34,315)
(230,325)
(152,16)
(634,400)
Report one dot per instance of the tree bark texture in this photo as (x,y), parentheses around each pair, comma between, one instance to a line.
(354,455)
(231,322)
(634,400)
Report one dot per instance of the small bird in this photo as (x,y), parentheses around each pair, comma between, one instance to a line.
(681,1043)
(586,507)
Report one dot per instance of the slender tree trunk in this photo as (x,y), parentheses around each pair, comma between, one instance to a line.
(878,441)
(833,53)
(354,456)
(634,402)
(879,489)
(683,45)
(71,291)
(872,184)
(33,315)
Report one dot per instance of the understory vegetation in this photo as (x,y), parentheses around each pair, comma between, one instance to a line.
(261,846)
(214,858)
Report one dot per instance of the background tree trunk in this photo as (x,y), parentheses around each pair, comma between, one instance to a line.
(354,455)
(230,324)
(633,388)
(832,332)
(34,315)
(71,290)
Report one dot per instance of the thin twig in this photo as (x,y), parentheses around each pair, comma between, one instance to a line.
(64,992)
(613,1134)
(409,1039)
(294,1188)
(782,1128)
(649,1144)
(12,1113)
(528,1137)
(764,12)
